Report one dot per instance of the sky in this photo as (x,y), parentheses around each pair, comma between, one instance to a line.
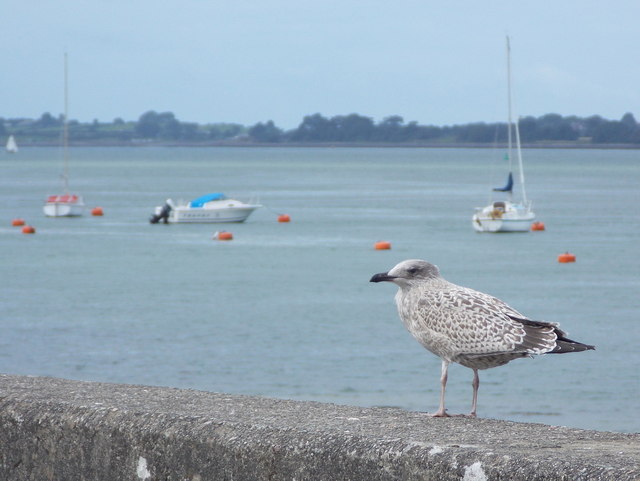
(248,61)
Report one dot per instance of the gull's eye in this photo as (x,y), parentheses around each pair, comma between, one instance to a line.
(412,270)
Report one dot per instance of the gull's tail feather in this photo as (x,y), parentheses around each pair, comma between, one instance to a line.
(541,332)
(567,345)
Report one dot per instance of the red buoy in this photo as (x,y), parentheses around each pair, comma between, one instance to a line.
(97,211)
(224,235)
(566,257)
(537,226)
(17,222)
(27,229)
(284,218)
(382,245)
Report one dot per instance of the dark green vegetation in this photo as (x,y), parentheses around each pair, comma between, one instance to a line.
(153,127)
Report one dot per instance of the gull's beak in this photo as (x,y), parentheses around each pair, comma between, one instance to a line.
(381,277)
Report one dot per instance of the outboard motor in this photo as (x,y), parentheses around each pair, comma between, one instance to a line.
(162,214)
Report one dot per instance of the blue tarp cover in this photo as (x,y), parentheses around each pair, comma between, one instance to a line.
(200,201)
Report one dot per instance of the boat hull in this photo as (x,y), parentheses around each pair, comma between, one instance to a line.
(486,224)
(200,215)
(503,217)
(64,206)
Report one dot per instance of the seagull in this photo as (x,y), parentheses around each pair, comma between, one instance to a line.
(469,327)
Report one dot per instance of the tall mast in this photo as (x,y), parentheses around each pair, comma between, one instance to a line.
(520,166)
(509,120)
(65,129)
(517,129)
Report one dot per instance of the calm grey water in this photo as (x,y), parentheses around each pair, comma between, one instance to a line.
(286,310)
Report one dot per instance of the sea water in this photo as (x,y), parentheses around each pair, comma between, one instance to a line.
(286,309)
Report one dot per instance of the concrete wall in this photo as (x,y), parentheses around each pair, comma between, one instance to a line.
(54,429)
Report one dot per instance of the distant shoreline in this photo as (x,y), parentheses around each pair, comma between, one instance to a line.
(408,145)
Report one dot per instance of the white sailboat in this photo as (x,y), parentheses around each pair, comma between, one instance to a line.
(12,146)
(507,215)
(65,204)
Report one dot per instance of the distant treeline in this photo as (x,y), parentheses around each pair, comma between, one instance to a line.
(154,127)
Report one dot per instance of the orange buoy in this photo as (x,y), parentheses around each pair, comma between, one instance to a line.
(97,211)
(537,226)
(566,257)
(27,229)
(224,235)
(382,245)
(17,222)
(284,218)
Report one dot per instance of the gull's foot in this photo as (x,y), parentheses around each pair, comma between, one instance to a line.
(444,414)
(439,414)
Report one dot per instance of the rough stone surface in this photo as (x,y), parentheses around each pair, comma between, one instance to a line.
(55,429)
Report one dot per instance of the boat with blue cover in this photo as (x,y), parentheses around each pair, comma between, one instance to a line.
(209,209)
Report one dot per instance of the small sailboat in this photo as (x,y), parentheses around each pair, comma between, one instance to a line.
(507,215)
(12,146)
(65,204)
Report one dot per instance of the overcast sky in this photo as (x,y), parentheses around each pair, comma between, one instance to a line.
(248,61)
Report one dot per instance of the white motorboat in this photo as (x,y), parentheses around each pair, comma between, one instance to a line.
(67,204)
(507,215)
(210,208)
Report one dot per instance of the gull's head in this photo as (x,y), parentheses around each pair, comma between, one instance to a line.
(408,273)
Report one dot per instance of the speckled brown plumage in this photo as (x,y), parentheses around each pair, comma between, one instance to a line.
(462,325)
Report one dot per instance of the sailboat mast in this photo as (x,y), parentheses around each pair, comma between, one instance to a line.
(509,119)
(520,166)
(65,127)
(514,125)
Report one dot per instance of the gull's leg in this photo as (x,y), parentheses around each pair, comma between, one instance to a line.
(443,384)
(475,384)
